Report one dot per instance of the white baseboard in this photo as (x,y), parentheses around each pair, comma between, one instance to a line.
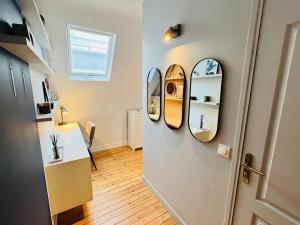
(99,148)
(179,220)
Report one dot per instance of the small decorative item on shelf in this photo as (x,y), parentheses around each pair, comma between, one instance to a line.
(171,88)
(63,110)
(152,108)
(193,98)
(206,99)
(196,74)
(23,30)
(43,19)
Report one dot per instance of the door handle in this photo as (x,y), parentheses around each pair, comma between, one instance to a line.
(24,83)
(13,80)
(248,169)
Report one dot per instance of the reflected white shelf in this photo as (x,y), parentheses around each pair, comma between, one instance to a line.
(208,76)
(196,129)
(23,48)
(174,99)
(46,117)
(214,104)
(174,78)
(31,13)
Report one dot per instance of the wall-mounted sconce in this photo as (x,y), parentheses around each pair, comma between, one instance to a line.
(63,110)
(172,32)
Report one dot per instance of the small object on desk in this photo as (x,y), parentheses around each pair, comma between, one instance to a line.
(193,98)
(51,158)
(54,139)
(62,111)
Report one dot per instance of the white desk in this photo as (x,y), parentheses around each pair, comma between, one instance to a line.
(69,181)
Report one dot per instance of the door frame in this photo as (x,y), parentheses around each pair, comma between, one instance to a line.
(243,106)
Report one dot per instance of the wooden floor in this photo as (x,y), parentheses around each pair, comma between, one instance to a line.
(120,196)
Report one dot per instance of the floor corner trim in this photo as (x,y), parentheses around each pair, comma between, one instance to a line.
(179,220)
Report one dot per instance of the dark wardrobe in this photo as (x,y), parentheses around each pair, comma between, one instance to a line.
(23,193)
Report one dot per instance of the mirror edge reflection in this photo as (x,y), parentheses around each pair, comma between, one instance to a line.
(220,100)
(183,98)
(160,96)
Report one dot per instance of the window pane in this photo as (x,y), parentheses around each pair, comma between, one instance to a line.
(89,52)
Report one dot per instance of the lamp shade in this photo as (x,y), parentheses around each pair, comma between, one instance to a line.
(172,32)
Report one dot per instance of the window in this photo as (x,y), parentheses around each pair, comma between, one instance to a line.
(90,54)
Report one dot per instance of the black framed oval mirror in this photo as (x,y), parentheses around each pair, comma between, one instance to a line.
(205,99)
(174,96)
(154,94)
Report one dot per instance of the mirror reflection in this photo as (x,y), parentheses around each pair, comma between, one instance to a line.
(174,96)
(154,94)
(205,96)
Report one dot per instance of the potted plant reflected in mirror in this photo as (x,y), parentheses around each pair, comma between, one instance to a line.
(63,111)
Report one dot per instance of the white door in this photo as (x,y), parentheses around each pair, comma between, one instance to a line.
(273,125)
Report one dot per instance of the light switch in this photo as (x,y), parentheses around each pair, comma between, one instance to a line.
(224,151)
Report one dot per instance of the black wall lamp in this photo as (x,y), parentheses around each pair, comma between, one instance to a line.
(172,32)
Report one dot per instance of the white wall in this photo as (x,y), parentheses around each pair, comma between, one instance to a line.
(189,174)
(105,103)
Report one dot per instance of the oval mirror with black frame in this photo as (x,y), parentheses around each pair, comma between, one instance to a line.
(174,96)
(205,99)
(154,94)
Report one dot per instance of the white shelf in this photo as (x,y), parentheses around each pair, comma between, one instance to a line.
(174,99)
(196,129)
(208,76)
(21,47)
(31,13)
(46,117)
(214,104)
(174,78)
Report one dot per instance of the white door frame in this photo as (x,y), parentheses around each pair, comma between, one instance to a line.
(244,100)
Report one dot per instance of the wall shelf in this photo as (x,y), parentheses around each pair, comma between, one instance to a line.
(214,104)
(175,78)
(173,99)
(208,76)
(47,117)
(31,13)
(21,47)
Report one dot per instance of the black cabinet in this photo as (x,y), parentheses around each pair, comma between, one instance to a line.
(23,193)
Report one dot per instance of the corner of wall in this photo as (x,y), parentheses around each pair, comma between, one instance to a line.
(171,210)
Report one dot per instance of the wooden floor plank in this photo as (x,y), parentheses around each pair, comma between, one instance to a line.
(160,219)
(119,194)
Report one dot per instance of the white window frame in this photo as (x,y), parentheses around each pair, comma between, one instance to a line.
(91,77)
